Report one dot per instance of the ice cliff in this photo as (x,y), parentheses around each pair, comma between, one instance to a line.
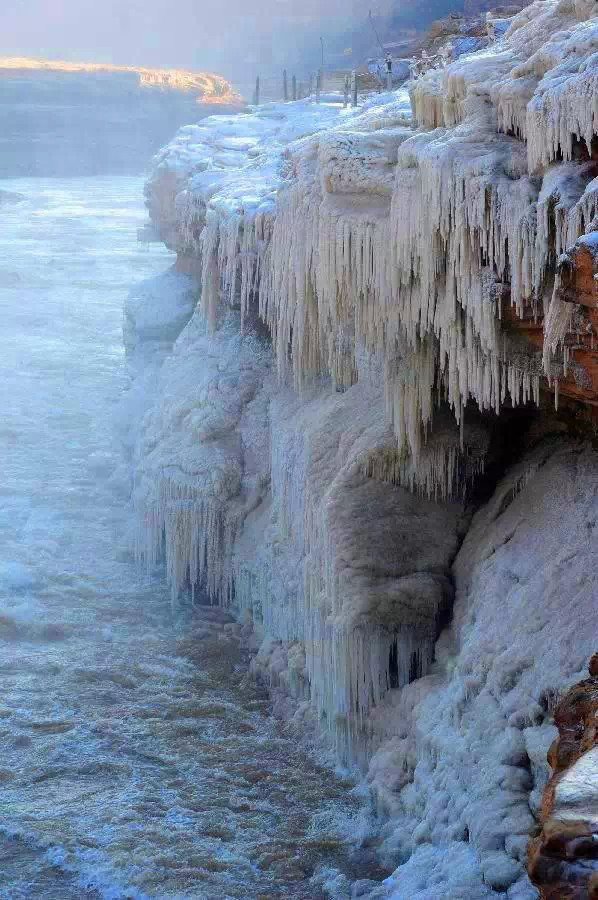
(352,441)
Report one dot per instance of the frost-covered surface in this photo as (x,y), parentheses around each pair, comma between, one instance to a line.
(302,458)
(367,234)
(473,736)
(541,78)
(192,456)
(286,499)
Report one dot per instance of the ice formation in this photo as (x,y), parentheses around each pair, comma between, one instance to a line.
(333,395)
(370,234)
(465,768)
(191,458)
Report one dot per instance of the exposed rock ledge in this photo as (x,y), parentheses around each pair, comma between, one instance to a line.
(563,859)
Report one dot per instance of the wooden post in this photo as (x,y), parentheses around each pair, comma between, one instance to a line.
(285,86)
(389,80)
(353,88)
(318,85)
(346,93)
(294,84)
(256,93)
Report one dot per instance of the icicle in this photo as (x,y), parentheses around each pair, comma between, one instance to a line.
(557,324)
(198,538)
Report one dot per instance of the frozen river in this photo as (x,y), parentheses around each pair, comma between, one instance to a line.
(137,759)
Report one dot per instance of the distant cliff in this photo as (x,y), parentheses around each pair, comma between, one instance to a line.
(59,118)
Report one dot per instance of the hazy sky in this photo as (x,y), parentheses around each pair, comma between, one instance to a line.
(216,34)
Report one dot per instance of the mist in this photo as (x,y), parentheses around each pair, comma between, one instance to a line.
(197,35)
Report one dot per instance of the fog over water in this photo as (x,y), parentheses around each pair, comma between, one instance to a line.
(200,34)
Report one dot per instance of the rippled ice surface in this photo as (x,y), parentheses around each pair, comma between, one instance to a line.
(137,760)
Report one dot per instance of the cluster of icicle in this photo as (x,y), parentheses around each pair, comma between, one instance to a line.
(197,534)
(360,635)
(437,474)
(279,608)
(465,219)
(424,277)
(232,251)
(542,80)
(349,653)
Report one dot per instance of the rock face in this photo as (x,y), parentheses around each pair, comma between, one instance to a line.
(62,119)
(562,860)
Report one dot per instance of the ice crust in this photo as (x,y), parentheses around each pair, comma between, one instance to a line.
(309,473)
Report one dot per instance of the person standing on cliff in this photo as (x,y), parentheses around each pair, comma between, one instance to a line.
(388,62)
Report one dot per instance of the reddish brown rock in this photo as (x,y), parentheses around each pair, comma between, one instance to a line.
(579,286)
(577,269)
(563,858)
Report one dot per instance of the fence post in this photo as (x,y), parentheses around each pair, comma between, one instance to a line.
(318,85)
(389,80)
(256,93)
(294,86)
(346,94)
(353,88)
(285,86)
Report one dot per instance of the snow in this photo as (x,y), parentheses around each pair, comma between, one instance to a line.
(591,241)
(575,793)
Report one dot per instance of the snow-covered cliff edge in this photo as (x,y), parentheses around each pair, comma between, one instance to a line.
(350,444)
